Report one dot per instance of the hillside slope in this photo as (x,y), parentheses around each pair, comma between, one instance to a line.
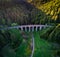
(29,12)
(14,11)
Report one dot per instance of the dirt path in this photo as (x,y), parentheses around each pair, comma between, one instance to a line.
(33,45)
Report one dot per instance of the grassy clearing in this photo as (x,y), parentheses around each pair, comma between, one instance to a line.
(42,47)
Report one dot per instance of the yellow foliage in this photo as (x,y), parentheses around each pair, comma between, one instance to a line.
(51,8)
(45,11)
(58,25)
(56,17)
(48,12)
(53,17)
(52,12)
(58,10)
(28,51)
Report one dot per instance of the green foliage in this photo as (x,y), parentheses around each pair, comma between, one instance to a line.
(11,41)
(46,32)
(14,24)
(12,44)
(52,34)
(42,47)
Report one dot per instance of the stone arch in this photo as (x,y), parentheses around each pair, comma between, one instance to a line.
(42,27)
(27,28)
(35,28)
(19,28)
(38,28)
(30,28)
(23,28)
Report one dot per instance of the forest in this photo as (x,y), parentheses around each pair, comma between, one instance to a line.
(17,43)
